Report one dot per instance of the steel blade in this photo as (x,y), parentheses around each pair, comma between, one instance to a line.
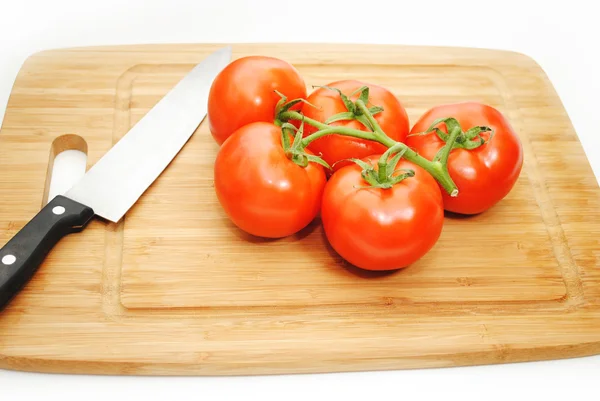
(122,175)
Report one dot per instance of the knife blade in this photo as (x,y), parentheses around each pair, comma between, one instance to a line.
(117,180)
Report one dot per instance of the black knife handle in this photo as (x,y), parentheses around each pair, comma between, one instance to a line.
(25,252)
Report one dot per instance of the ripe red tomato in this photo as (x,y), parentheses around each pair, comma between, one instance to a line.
(333,148)
(262,191)
(244,92)
(484,175)
(382,229)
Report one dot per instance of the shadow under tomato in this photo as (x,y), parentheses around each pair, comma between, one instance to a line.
(308,230)
(459,216)
(253,239)
(341,263)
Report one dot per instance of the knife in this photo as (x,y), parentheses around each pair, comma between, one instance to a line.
(117,180)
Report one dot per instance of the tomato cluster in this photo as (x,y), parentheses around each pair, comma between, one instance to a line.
(346,152)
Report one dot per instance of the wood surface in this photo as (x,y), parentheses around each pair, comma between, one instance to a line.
(175,288)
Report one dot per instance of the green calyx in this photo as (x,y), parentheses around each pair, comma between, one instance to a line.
(295,150)
(386,175)
(283,106)
(353,111)
(471,139)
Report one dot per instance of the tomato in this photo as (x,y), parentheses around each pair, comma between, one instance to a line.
(382,229)
(244,92)
(262,191)
(333,148)
(483,175)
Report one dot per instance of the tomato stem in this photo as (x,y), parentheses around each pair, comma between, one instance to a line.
(456,131)
(435,168)
(382,163)
(376,179)
(469,140)
(337,130)
(376,127)
(325,129)
(438,169)
(295,151)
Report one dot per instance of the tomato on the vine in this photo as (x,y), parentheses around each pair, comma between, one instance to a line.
(382,228)
(262,191)
(483,175)
(325,103)
(245,92)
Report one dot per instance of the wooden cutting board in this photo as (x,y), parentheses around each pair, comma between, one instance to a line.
(175,288)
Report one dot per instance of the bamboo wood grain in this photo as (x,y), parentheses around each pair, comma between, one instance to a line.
(175,288)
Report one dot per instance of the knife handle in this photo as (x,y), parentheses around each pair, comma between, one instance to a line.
(24,253)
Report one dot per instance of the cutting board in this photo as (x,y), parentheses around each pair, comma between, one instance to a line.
(175,288)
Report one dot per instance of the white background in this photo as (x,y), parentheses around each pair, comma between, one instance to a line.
(562,37)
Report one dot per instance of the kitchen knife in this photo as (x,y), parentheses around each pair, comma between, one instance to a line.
(117,180)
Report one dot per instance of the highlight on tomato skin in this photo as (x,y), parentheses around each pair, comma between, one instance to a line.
(245,92)
(382,229)
(485,175)
(325,103)
(261,190)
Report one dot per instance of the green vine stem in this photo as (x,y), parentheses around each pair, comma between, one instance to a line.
(456,131)
(325,129)
(437,169)
(376,127)
(382,163)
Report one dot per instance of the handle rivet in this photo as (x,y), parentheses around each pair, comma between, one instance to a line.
(9,260)
(58,210)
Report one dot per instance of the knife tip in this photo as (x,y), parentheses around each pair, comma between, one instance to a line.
(227,50)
